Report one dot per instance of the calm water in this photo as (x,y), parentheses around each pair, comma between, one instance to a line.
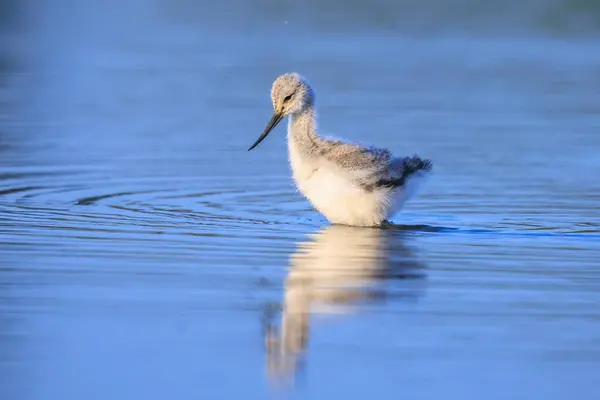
(145,254)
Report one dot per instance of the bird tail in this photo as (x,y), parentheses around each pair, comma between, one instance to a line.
(415,171)
(415,164)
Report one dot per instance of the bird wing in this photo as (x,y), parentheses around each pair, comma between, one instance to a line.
(354,157)
(373,167)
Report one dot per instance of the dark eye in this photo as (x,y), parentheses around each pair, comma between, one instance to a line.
(288,98)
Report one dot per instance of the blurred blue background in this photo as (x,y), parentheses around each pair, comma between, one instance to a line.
(145,254)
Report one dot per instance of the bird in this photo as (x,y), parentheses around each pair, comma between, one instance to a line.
(348,183)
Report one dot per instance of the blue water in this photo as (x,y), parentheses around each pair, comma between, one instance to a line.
(144,253)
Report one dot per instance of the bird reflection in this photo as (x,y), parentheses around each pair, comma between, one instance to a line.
(335,271)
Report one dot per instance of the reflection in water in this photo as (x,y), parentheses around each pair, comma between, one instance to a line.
(334,271)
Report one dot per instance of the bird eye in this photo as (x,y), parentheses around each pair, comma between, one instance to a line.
(288,98)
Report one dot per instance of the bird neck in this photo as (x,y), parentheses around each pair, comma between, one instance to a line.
(302,127)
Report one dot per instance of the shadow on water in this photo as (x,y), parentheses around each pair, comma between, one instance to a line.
(591,232)
(336,271)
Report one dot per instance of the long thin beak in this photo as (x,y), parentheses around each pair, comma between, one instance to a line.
(275,119)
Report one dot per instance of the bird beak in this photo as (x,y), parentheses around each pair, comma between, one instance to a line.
(275,119)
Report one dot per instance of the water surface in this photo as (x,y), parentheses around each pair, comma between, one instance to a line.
(146,254)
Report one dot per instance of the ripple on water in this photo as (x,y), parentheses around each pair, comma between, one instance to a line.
(95,201)
(81,235)
(154,204)
(90,233)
